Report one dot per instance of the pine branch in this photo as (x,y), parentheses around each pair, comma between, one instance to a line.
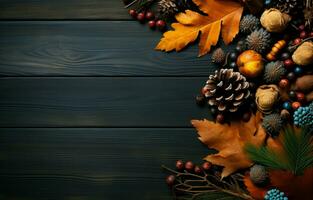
(265,157)
(297,152)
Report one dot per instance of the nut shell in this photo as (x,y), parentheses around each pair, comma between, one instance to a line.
(274,21)
(266,97)
(303,54)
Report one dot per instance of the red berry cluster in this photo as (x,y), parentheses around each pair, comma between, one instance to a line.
(188,167)
(295,98)
(302,35)
(149,17)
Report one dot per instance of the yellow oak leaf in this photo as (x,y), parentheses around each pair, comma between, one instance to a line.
(222,16)
(229,140)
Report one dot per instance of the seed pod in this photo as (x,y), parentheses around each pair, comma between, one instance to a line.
(275,49)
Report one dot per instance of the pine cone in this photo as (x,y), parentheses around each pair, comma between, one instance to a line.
(289,6)
(167,8)
(249,23)
(259,40)
(272,124)
(274,71)
(218,56)
(303,116)
(227,90)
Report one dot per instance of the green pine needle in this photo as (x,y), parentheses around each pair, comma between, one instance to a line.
(297,155)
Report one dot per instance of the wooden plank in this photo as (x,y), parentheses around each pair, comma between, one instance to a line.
(87,164)
(62,9)
(99,101)
(91,48)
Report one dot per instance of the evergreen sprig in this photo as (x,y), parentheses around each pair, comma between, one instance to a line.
(297,154)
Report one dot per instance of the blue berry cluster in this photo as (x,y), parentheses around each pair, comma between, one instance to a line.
(275,194)
(303,116)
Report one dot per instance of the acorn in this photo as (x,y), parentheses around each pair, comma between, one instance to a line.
(258,175)
(274,71)
(218,56)
(272,124)
(259,40)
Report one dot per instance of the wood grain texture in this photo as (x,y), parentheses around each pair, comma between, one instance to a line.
(99,101)
(92,163)
(91,48)
(62,9)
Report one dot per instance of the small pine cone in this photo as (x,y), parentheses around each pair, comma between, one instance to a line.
(259,175)
(259,40)
(274,71)
(167,8)
(249,23)
(226,90)
(218,56)
(272,124)
(289,6)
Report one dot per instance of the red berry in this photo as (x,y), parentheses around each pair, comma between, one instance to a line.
(288,64)
(133,13)
(152,24)
(206,165)
(311,34)
(170,180)
(295,105)
(189,166)
(300,96)
(301,27)
(246,116)
(141,17)
(303,34)
(204,90)
(220,118)
(283,83)
(198,170)
(180,165)
(149,16)
(160,24)
(297,41)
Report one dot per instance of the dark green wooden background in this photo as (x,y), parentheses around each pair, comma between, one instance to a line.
(88,110)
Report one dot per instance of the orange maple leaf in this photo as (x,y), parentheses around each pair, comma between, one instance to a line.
(222,15)
(229,140)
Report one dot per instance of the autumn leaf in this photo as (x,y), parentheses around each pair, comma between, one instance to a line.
(222,16)
(229,140)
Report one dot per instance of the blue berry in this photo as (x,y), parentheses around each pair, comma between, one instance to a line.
(287,105)
(298,70)
(303,116)
(275,194)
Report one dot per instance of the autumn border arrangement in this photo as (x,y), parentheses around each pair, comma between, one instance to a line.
(260,96)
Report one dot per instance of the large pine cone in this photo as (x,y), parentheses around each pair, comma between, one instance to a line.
(227,90)
(167,8)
